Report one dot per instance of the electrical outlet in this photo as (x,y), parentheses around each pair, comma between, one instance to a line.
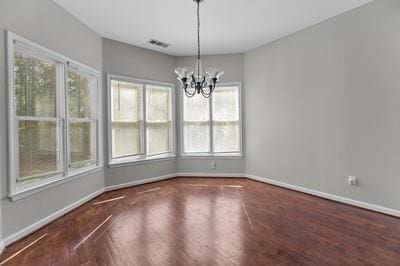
(352,180)
(213,165)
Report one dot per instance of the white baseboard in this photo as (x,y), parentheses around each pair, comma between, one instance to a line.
(1,246)
(211,175)
(329,196)
(139,182)
(35,226)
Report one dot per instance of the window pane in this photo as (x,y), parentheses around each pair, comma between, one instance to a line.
(226,131)
(196,116)
(38,149)
(81,152)
(127,118)
(226,104)
(35,86)
(196,137)
(126,139)
(196,109)
(158,103)
(158,118)
(126,101)
(158,138)
(226,137)
(79,98)
(82,135)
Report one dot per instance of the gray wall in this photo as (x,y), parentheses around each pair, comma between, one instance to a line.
(324,103)
(43,22)
(233,64)
(127,60)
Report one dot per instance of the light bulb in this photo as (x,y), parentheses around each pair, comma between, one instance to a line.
(183,72)
(214,72)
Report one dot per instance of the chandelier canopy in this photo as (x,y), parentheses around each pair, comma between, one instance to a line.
(194,81)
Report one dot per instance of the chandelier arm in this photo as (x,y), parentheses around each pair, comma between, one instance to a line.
(190,95)
(205,95)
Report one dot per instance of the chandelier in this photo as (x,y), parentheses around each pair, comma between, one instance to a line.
(193,81)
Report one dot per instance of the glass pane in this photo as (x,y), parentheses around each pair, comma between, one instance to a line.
(226,104)
(126,101)
(80,146)
(38,150)
(197,137)
(158,138)
(79,94)
(35,86)
(226,137)
(158,103)
(126,139)
(196,108)
(158,117)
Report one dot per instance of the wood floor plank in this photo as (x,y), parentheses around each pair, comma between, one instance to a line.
(211,221)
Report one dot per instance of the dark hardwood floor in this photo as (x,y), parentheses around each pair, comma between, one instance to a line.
(207,221)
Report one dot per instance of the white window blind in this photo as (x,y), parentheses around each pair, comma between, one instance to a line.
(226,128)
(37,118)
(127,118)
(196,124)
(158,119)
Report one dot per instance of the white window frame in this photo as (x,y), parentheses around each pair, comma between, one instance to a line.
(49,179)
(140,158)
(211,154)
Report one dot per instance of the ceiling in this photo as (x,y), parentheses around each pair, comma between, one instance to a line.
(227,26)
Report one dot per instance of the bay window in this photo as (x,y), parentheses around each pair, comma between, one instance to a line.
(140,120)
(212,126)
(52,102)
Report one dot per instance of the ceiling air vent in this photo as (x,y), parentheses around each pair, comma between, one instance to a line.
(158,43)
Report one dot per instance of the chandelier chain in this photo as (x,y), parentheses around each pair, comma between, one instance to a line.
(198,29)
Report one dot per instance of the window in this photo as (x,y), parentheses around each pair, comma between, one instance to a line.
(141,120)
(46,112)
(82,120)
(213,126)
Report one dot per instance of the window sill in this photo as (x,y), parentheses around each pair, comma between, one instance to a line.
(52,182)
(129,161)
(211,156)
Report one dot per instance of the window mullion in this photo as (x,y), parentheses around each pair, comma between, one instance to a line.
(211,125)
(13,123)
(144,120)
(64,119)
(94,117)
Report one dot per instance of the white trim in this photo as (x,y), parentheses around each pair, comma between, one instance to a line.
(62,63)
(207,156)
(211,154)
(329,196)
(2,246)
(139,182)
(120,163)
(211,175)
(37,225)
(134,159)
(52,183)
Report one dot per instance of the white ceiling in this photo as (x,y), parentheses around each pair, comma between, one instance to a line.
(227,26)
